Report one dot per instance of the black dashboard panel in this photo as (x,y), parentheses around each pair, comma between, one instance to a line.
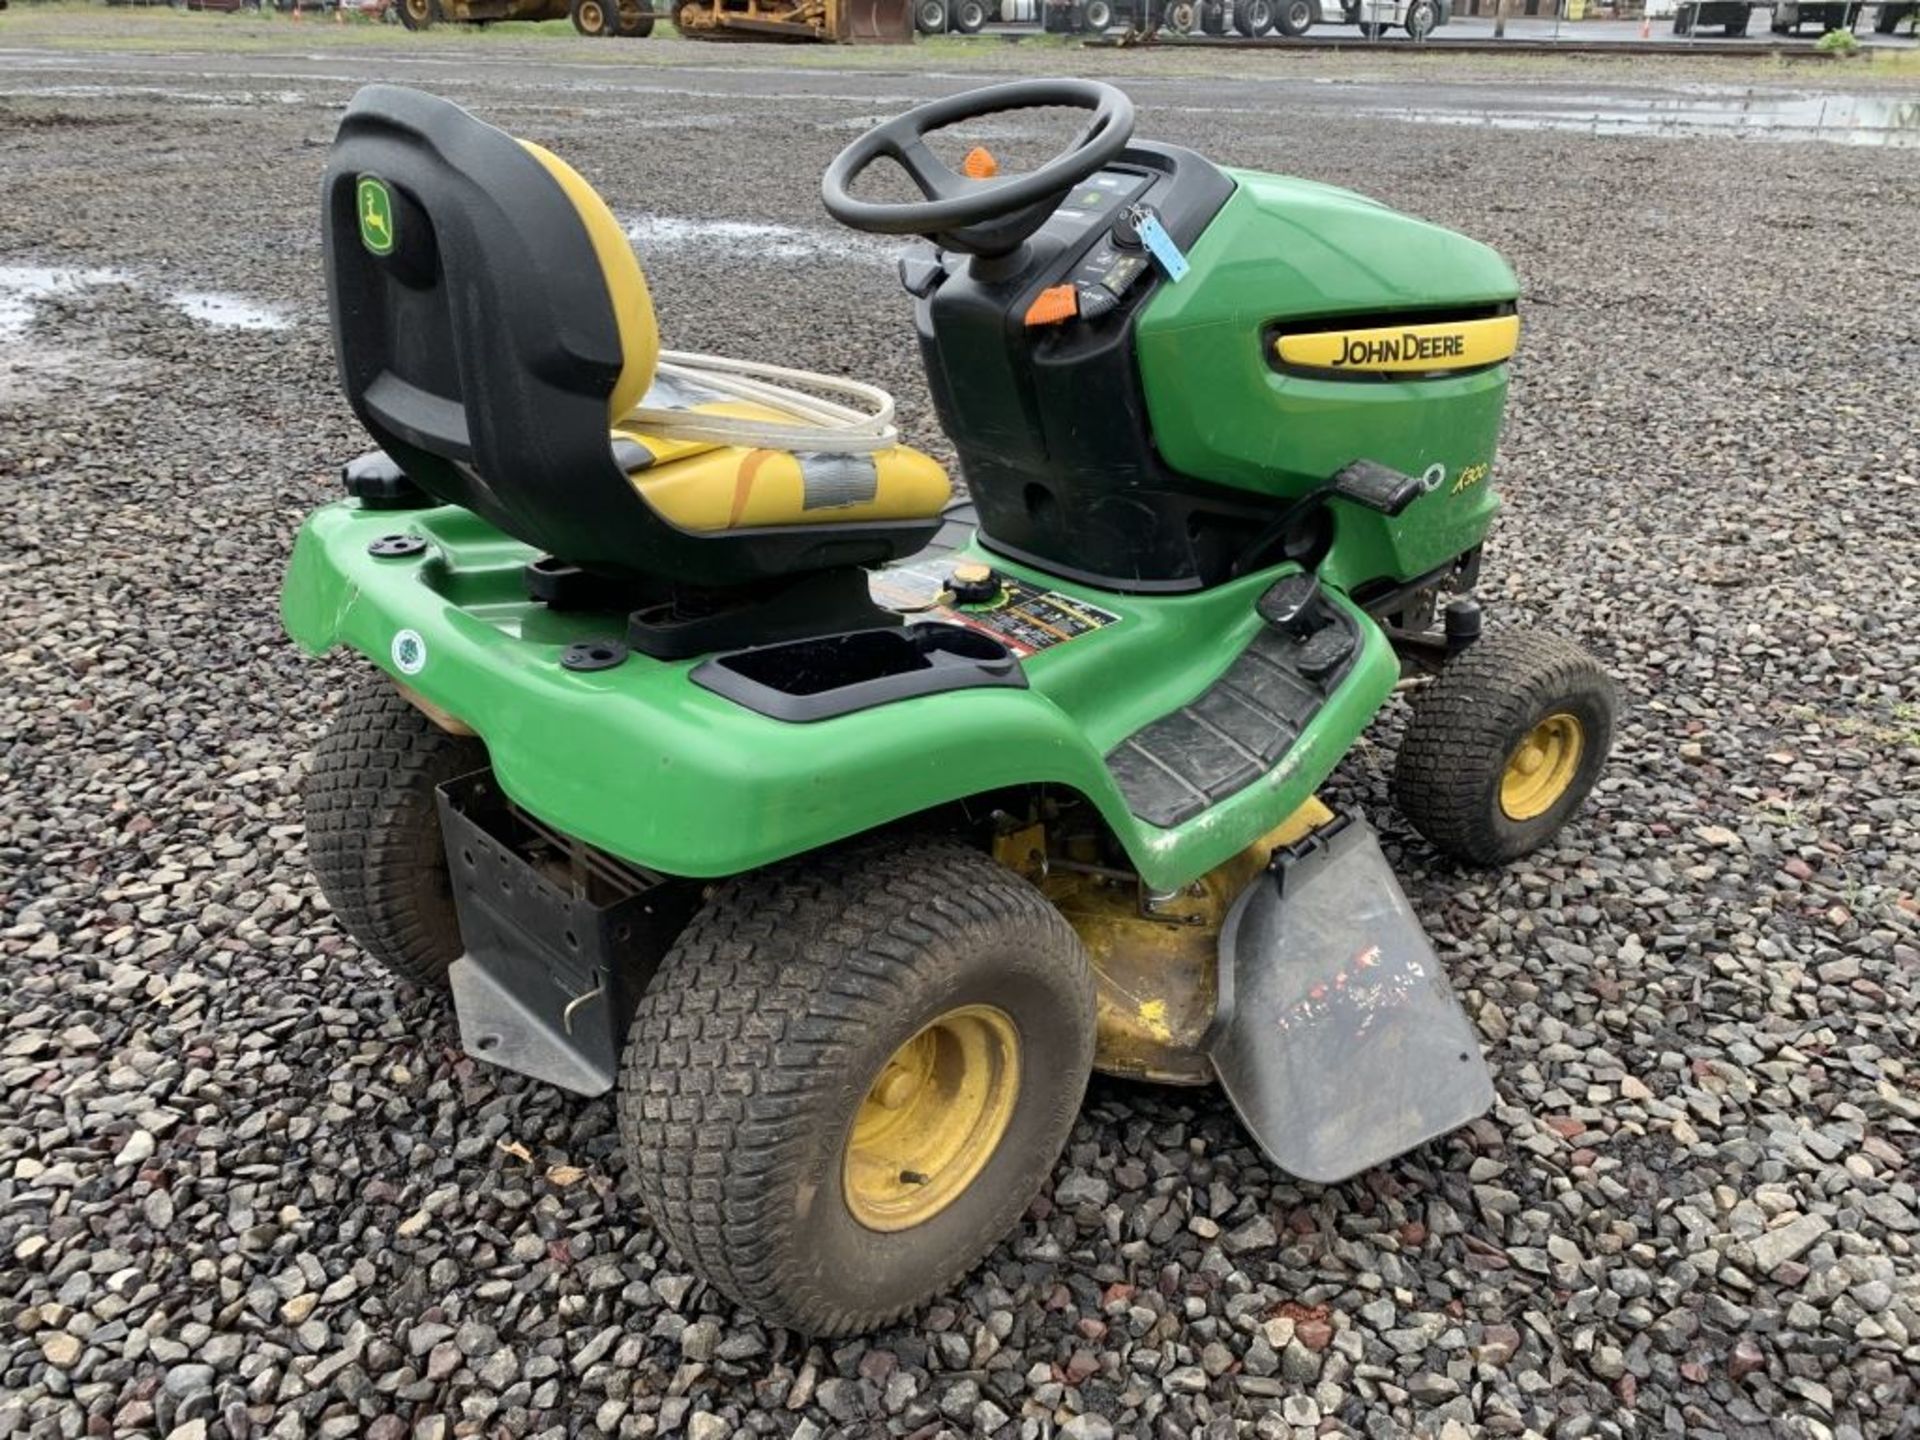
(1049,420)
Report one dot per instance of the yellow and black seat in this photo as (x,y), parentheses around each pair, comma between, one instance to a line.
(494,334)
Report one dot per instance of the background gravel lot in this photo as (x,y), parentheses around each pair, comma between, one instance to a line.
(246,1188)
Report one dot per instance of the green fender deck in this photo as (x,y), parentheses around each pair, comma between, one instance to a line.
(643,763)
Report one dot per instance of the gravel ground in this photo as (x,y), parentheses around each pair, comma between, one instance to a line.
(247,1188)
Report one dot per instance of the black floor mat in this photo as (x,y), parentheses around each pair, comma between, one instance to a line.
(1234,731)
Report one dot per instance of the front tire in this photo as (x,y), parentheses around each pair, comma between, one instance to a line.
(1293,17)
(417,14)
(635,21)
(1253,17)
(1097,17)
(970,16)
(1504,745)
(1421,16)
(373,829)
(852,1074)
(596,18)
(1183,17)
(930,17)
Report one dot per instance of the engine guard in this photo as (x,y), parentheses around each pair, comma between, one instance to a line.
(1337,1036)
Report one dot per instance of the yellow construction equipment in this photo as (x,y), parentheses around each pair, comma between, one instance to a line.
(869,22)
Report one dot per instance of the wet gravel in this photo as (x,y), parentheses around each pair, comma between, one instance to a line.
(249,1188)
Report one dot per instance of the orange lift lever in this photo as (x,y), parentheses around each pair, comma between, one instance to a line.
(1054,304)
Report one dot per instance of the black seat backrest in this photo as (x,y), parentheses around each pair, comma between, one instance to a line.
(490,322)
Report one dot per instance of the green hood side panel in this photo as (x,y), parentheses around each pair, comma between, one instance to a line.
(1286,253)
(645,764)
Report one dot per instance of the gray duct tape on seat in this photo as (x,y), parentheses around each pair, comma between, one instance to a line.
(828,481)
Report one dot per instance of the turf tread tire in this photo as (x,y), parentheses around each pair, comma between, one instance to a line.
(373,829)
(1467,721)
(752,1035)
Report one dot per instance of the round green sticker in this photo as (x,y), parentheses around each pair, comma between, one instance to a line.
(374,203)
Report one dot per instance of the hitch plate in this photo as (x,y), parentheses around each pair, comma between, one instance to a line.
(559,939)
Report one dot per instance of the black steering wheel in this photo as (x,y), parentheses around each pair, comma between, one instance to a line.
(982,217)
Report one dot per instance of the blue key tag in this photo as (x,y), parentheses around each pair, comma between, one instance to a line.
(1160,245)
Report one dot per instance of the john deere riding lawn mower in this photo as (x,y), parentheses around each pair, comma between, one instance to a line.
(713,754)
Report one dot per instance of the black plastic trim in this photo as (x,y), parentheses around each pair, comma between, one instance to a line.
(817,679)
(680,623)
(1050,423)
(379,484)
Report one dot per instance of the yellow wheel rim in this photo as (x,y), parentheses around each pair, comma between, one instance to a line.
(1541,768)
(591,18)
(932,1118)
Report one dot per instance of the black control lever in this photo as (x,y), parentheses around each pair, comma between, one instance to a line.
(1378,487)
(1365,482)
(921,272)
(1292,603)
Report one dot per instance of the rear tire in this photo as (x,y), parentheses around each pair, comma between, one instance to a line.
(1253,17)
(635,22)
(418,14)
(970,16)
(373,829)
(780,1017)
(1183,17)
(1293,17)
(930,17)
(1097,17)
(1504,745)
(1421,17)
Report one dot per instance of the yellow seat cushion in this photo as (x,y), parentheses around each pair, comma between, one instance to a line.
(721,487)
(626,283)
(699,486)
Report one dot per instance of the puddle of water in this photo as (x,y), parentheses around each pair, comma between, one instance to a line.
(227,312)
(156,94)
(663,234)
(29,372)
(23,287)
(1837,119)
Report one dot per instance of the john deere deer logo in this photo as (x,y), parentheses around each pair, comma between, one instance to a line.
(376,215)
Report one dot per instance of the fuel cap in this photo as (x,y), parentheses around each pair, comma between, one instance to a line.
(972,583)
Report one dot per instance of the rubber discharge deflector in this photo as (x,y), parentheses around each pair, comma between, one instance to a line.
(1337,1036)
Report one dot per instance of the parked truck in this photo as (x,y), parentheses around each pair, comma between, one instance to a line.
(1735,17)
(970,17)
(1375,18)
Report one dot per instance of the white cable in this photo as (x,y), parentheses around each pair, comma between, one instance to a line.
(822,424)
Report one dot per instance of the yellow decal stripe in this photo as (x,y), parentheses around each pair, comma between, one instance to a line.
(1405,349)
